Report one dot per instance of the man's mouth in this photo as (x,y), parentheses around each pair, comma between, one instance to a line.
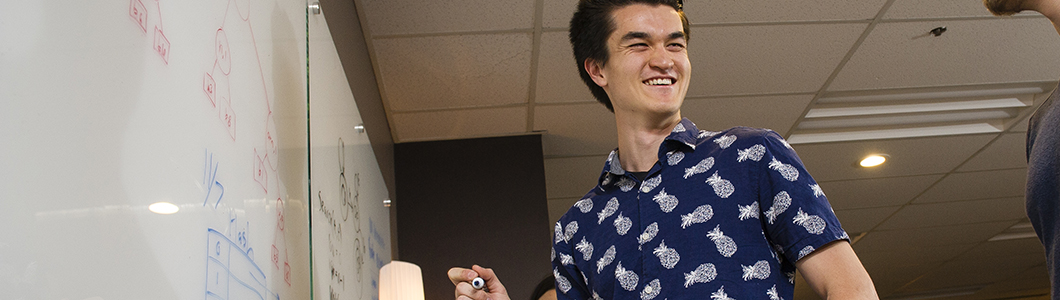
(659,81)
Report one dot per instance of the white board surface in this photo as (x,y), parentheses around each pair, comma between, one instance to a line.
(107,107)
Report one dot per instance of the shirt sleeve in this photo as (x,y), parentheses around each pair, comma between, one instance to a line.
(570,284)
(798,217)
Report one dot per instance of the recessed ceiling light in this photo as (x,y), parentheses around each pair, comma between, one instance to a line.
(163,208)
(873,160)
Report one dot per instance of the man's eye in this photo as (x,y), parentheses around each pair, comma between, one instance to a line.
(677,45)
(638,45)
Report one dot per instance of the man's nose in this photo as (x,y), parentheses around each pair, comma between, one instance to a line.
(661,59)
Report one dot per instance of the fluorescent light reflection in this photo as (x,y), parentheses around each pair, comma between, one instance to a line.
(163,208)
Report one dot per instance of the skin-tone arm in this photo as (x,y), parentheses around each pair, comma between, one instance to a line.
(462,277)
(834,272)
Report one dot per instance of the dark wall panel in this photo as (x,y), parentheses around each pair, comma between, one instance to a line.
(476,201)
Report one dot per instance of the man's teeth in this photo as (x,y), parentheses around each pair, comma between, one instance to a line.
(660,81)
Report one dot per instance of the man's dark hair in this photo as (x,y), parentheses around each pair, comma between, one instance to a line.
(590,27)
(549,283)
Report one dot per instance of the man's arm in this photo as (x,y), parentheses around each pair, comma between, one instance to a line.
(834,272)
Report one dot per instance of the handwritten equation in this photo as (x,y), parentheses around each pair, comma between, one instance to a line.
(231,271)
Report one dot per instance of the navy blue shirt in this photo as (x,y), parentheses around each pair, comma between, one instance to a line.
(1043,182)
(721,214)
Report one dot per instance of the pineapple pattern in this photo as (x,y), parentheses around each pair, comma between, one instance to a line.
(561,282)
(702,274)
(720,294)
(585,248)
(725,141)
(726,246)
(723,188)
(565,259)
(584,205)
(609,209)
(702,214)
(668,257)
(748,211)
(786,170)
(625,184)
(680,255)
(772,293)
(780,204)
(817,191)
(651,290)
(649,233)
(679,128)
(570,230)
(622,224)
(674,157)
(805,251)
(626,278)
(667,202)
(760,270)
(650,184)
(609,256)
(813,223)
(754,153)
(700,168)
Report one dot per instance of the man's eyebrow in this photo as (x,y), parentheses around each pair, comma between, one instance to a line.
(677,35)
(632,35)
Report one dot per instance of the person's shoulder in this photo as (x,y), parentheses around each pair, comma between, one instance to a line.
(747,134)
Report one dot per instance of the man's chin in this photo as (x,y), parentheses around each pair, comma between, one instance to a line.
(1004,7)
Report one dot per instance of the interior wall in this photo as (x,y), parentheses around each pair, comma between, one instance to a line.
(467,202)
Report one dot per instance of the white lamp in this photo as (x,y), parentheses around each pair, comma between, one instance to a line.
(400,280)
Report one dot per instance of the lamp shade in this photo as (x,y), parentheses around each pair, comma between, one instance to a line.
(400,280)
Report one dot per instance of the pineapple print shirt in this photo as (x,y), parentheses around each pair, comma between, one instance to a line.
(722,215)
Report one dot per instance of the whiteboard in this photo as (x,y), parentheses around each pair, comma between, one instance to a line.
(109,106)
(350,225)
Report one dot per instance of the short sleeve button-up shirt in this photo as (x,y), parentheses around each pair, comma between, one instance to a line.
(722,215)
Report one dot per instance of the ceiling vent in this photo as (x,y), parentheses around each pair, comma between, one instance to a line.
(902,113)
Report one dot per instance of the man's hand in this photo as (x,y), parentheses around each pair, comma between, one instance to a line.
(462,277)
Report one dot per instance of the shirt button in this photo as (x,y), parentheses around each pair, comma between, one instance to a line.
(644,189)
(648,290)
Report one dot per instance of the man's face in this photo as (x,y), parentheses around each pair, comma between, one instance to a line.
(648,69)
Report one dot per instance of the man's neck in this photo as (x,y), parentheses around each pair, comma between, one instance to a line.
(639,140)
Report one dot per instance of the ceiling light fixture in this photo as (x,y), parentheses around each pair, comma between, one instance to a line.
(163,208)
(873,160)
(916,112)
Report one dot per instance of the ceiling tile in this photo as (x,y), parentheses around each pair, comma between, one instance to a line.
(862,193)
(568,177)
(956,213)
(977,185)
(557,13)
(890,240)
(1022,126)
(863,219)
(733,60)
(915,9)
(913,156)
(387,17)
(902,54)
(454,71)
(559,206)
(576,129)
(772,112)
(1028,247)
(459,124)
(557,73)
(741,11)
(1007,152)
(963,273)
(1032,281)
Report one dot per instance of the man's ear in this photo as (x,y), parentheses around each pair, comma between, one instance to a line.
(595,72)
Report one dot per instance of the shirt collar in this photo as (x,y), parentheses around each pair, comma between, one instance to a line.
(685,133)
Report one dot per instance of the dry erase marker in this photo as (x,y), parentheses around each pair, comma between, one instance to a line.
(479,284)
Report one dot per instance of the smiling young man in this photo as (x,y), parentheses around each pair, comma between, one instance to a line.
(680,213)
